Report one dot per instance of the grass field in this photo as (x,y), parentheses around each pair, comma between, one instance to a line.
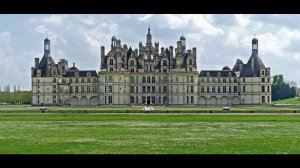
(295,101)
(22,133)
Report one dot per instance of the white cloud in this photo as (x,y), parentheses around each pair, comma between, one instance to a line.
(243,20)
(144,17)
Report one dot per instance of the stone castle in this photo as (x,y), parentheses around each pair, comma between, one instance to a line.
(149,75)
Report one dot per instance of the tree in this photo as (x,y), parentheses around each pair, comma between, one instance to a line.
(278,79)
(281,89)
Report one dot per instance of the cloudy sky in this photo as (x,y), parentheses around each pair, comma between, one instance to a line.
(219,39)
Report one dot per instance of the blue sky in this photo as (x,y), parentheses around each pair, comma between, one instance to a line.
(219,39)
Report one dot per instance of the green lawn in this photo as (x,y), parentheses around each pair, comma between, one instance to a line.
(149,133)
(289,101)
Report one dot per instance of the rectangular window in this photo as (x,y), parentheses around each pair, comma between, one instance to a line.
(263,99)
(192,99)
(88,89)
(268,80)
(137,99)
(110,99)
(187,99)
(219,89)
(207,89)
(144,89)
(131,89)
(144,100)
(224,89)
(268,88)
(202,89)
(137,89)
(262,79)
(148,89)
(132,99)
(235,80)
(82,89)
(153,99)
(213,80)
(207,80)
(153,89)
(213,90)
(153,79)
(244,80)
(224,80)
(76,89)
(192,89)
(110,89)
(159,89)
(165,89)
(192,79)
(229,89)
(262,88)
(235,89)
(244,88)
(268,99)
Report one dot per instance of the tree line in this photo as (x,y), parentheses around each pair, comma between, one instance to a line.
(282,89)
(15,97)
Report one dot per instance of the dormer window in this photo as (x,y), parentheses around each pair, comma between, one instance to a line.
(164,62)
(263,72)
(76,74)
(229,74)
(111,62)
(190,61)
(132,62)
(219,74)
(88,74)
(207,74)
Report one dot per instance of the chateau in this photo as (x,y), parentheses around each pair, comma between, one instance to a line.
(149,75)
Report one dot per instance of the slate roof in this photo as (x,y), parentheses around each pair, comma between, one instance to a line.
(214,73)
(248,71)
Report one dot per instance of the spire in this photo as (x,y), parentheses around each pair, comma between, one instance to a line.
(149,30)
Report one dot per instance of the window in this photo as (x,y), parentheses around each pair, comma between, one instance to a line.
(82,89)
(88,80)
(159,88)
(268,80)
(76,89)
(144,79)
(164,62)
(224,80)
(143,99)
(190,69)
(137,89)
(131,89)
(71,80)
(111,69)
(54,80)
(235,80)
(153,79)
(229,80)
(192,79)
(262,79)
(76,74)
(229,89)
(148,89)
(268,88)
(244,80)
(88,89)
(268,99)
(131,69)
(132,99)
(153,100)
(82,80)
(144,89)
(262,88)
(164,70)
(110,89)
(111,62)
(76,80)
(219,89)
(192,89)
(71,89)
(219,80)
(202,89)
(207,89)
(131,80)
(263,99)
(153,89)
(187,89)
(202,80)
(224,89)
(110,99)
(137,99)
(148,79)
(192,99)
(165,79)
(213,90)
(213,80)
(165,89)
(263,72)
(94,80)
(244,88)
(235,89)
(207,80)
(187,99)
(190,61)
(132,63)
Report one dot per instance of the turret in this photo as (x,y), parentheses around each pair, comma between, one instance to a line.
(47,47)
(254,46)
(183,41)
(102,55)
(149,38)
(36,62)
(171,51)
